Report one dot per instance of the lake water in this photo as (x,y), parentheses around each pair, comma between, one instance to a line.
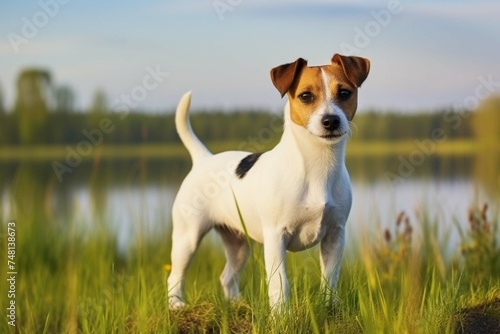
(135,196)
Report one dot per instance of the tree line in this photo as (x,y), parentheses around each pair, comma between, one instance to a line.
(43,114)
(141,127)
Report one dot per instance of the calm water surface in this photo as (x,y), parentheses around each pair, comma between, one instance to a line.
(134,197)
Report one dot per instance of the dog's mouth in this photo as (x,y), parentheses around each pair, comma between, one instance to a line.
(332,136)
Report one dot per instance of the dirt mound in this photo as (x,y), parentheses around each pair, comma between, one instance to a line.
(481,319)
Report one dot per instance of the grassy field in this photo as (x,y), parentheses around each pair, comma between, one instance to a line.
(72,279)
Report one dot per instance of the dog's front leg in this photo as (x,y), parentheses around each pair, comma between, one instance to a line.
(332,247)
(274,257)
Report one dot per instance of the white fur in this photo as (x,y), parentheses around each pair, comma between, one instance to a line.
(296,196)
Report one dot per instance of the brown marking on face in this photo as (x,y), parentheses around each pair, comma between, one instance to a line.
(311,81)
(308,82)
(338,83)
(305,85)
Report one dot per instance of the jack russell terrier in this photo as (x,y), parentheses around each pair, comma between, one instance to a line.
(290,198)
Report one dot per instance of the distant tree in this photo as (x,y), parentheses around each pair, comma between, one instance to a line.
(65,99)
(99,103)
(486,122)
(98,108)
(32,104)
(2,106)
(4,126)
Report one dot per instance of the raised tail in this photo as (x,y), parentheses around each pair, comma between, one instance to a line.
(196,149)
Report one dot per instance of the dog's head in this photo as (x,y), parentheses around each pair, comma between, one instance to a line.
(323,99)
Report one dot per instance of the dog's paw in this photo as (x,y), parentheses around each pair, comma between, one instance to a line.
(175,303)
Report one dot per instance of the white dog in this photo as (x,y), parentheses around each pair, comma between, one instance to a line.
(290,198)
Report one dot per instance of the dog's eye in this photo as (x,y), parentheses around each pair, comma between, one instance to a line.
(344,94)
(306,97)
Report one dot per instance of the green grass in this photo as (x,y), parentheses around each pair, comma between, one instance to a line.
(75,280)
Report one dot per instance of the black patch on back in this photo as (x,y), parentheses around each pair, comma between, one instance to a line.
(246,164)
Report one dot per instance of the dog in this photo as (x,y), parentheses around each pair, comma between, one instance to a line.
(289,198)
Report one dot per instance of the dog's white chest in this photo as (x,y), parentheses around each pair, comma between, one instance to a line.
(309,226)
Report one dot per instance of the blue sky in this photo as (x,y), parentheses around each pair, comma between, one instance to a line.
(425,54)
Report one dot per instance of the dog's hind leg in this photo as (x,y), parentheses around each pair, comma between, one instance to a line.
(186,237)
(236,249)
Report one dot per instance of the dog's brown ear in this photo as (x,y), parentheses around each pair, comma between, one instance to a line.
(356,69)
(284,75)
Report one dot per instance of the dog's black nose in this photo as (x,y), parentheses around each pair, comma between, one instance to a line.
(330,122)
